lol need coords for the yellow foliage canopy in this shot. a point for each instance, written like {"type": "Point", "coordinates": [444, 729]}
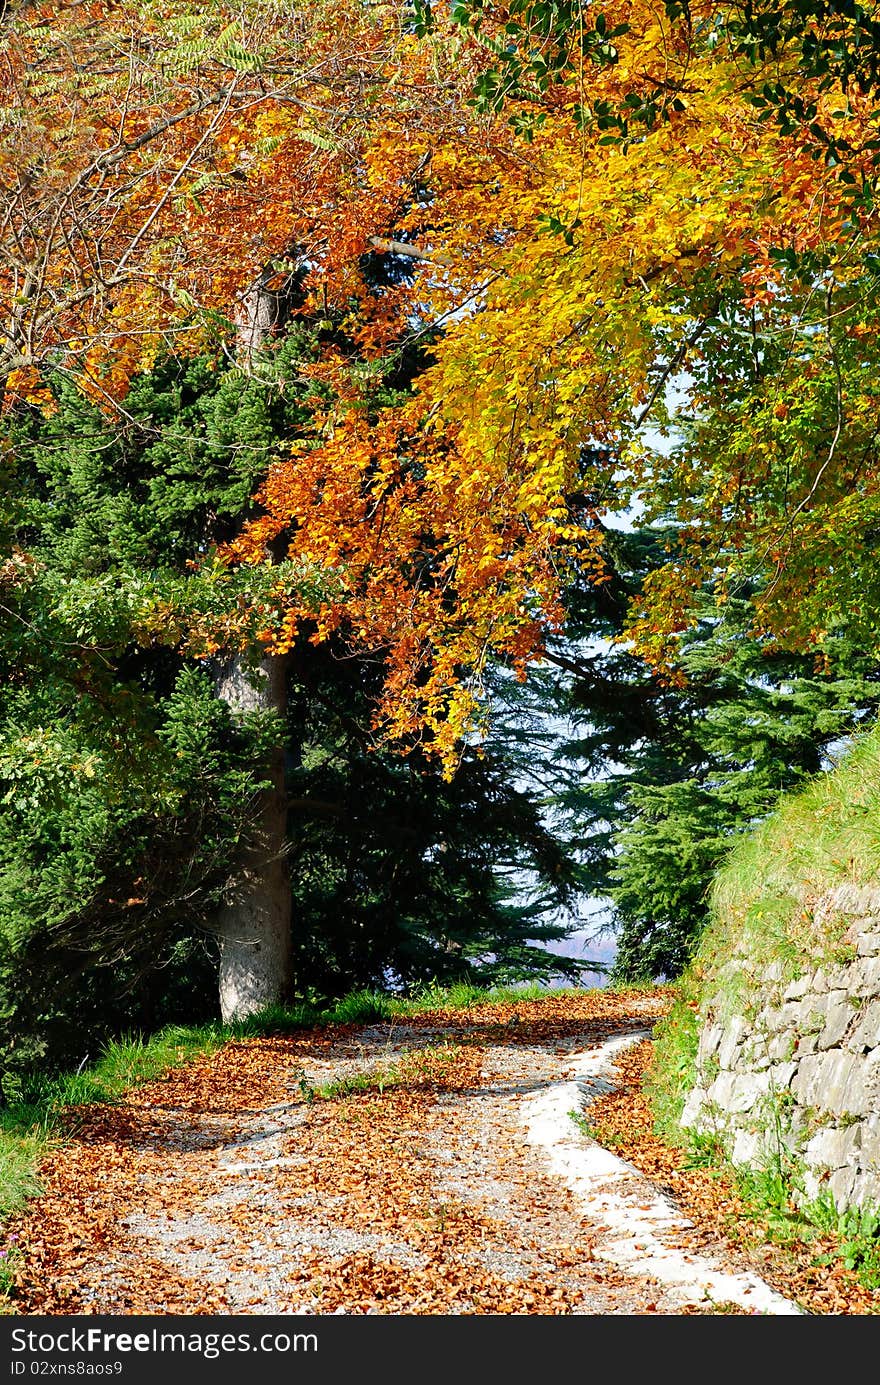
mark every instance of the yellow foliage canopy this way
{"type": "Point", "coordinates": [160, 161]}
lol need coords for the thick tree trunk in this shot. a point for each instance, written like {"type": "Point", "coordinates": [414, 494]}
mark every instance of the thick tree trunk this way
{"type": "Point", "coordinates": [253, 922]}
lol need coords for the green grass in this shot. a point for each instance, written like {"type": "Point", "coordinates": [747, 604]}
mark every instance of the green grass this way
{"type": "Point", "coordinates": [463, 995]}
{"type": "Point", "coordinates": [825, 835]}
{"type": "Point", "coordinates": [414, 1068]}
{"type": "Point", "coordinates": [19, 1152]}
{"type": "Point", "coordinates": [127, 1062]}
{"type": "Point", "coordinates": [31, 1120]}
{"type": "Point", "coordinates": [763, 912]}
{"type": "Point", "coordinates": [671, 1075]}
{"type": "Point", "coordinates": [608, 1138]}
{"type": "Point", "coordinates": [857, 1233]}
{"type": "Point", "coordinates": [774, 1198]}
{"type": "Point", "coordinates": [369, 1007]}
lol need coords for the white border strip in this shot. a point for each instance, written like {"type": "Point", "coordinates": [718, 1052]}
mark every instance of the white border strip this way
{"type": "Point", "coordinates": [624, 1202]}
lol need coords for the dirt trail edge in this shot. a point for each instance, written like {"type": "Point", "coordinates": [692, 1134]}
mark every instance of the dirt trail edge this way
{"type": "Point", "coordinates": [442, 1174]}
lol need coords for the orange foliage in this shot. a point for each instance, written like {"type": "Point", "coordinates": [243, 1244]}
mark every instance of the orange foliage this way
{"type": "Point", "coordinates": [163, 158]}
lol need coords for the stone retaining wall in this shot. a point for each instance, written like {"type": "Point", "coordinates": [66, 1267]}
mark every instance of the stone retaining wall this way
{"type": "Point", "coordinates": [798, 1069]}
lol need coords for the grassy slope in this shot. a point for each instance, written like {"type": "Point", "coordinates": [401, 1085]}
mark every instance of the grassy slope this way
{"type": "Point", "coordinates": [763, 898]}
{"type": "Point", "coordinates": [825, 835]}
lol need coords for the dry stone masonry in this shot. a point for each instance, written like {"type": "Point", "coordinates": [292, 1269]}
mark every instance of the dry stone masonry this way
{"type": "Point", "coordinates": [793, 1067]}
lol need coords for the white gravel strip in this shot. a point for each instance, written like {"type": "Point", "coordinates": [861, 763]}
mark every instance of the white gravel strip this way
{"type": "Point", "coordinates": [621, 1199]}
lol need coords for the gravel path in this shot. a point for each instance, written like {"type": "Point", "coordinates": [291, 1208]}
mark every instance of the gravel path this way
{"type": "Point", "coordinates": [236, 1186]}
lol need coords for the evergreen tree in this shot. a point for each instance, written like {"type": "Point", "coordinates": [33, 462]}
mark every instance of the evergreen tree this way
{"type": "Point", "coordinates": [126, 785]}
{"type": "Point", "coordinates": [657, 779]}
{"type": "Point", "coordinates": [399, 876]}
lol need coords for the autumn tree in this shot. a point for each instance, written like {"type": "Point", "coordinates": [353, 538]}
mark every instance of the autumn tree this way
{"type": "Point", "coordinates": [702, 215]}
{"type": "Point", "coordinates": [633, 221]}
{"type": "Point", "coordinates": [164, 175]}
{"type": "Point", "coordinates": [128, 785]}
{"type": "Point", "coordinates": [711, 249]}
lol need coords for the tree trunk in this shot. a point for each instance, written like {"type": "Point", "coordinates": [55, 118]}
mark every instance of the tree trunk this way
{"type": "Point", "coordinates": [253, 922]}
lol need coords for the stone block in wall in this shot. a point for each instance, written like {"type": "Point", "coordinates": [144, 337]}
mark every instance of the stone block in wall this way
{"type": "Point", "coordinates": [754, 1054]}
{"type": "Point", "coordinates": [781, 1076]}
{"type": "Point", "coordinates": [733, 1036]}
{"type": "Point", "coordinates": [867, 1185]}
{"type": "Point", "coordinates": [870, 1069]}
{"type": "Point", "coordinates": [799, 1122]}
{"type": "Point", "coordinates": [870, 1153]}
{"type": "Point", "coordinates": [738, 1091]}
{"type": "Point", "coordinates": [841, 1185]}
{"type": "Point", "coordinates": [861, 902]}
{"type": "Point", "coordinates": [839, 977]}
{"type": "Point", "coordinates": [797, 988]}
{"type": "Point", "coordinates": [750, 1148]}
{"type": "Point", "coordinates": [781, 1047]}
{"type": "Point", "coordinates": [868, 943]}
{"type": "Point", "coordinates": [834, 1147]}
{"type": "Point", "coordinates": [814, 1183]}
{"type": "Point", "coordinates": [831, 1081]}
{"type": "Point", "coordinates": [838, 1018]}
{"type": "Point", "coordinates": [866, 1189]}
{"type": "Point", "coordinates": [808, 1016]}
{"type": "Point", "coordinates": [866, 1034]}
{"type": "Point", "coordinates": [710, 1038]}
{"type": "Point", "coordinates": [693, 1108]}
{"type": "Point", "coordinates": [785, 1016]}
{"type": "Point", "coordinates": [865, 977]}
